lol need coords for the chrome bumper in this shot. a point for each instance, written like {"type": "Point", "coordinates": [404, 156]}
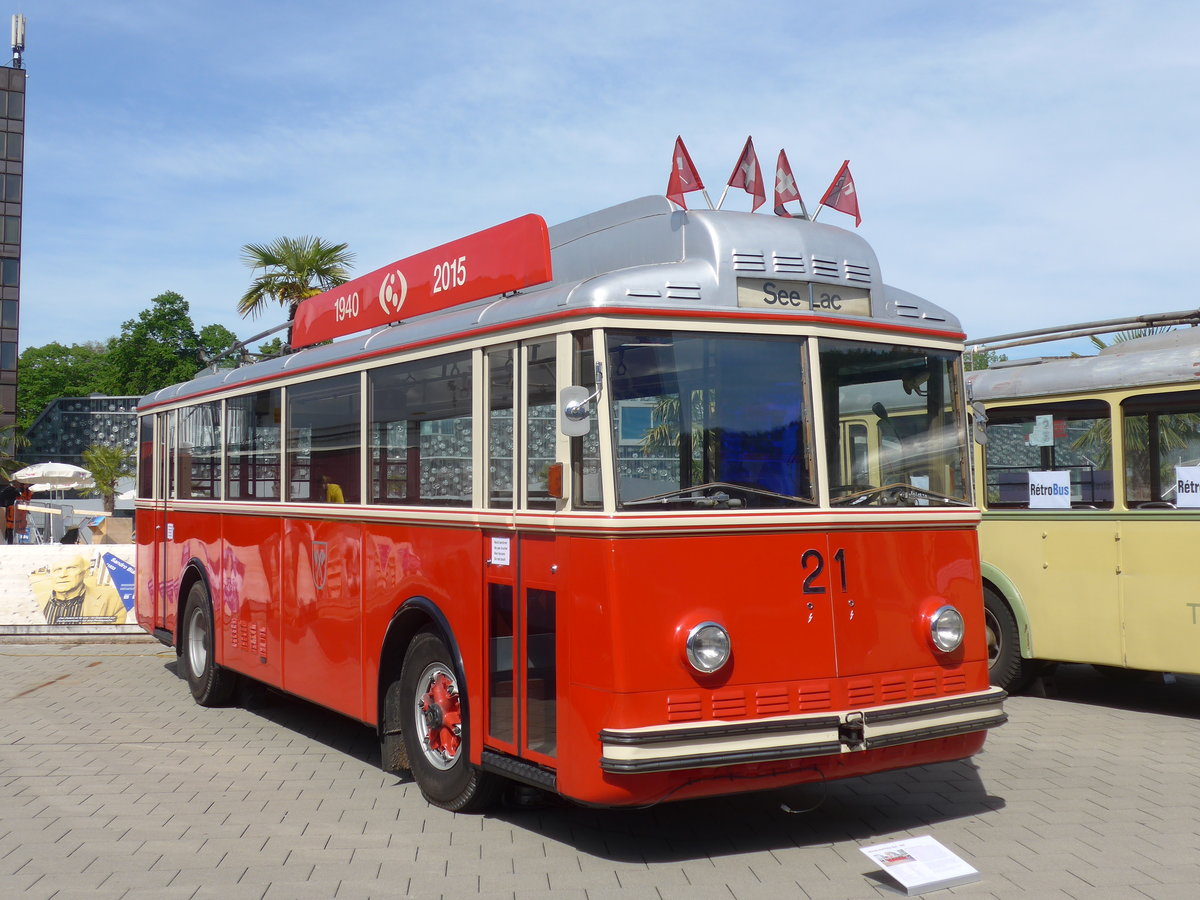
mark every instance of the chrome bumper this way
{"type": "Point", "coordinates": [666, 748]}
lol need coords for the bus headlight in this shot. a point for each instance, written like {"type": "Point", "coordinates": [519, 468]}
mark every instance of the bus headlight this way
{"type": "Point", "coordinates": [946, 629]}
{"type": "Point", "coordinates": [708, 647]}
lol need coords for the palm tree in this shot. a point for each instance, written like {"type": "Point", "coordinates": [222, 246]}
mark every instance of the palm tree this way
{"type": "Point", "coordinates": [108, 465]}
{"type": "Point", "coordinates": [292, 270]}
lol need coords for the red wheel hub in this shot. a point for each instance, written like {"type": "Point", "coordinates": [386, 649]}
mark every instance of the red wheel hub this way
{"type": "Point", "coordinates": [443, 717]}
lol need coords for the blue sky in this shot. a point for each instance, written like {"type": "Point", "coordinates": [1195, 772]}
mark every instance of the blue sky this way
{"type": "Point", "coordinates": [1021, 163]}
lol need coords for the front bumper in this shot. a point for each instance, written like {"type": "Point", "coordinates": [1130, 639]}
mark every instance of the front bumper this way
{"type": "Point", "coordinates": [668, 748]}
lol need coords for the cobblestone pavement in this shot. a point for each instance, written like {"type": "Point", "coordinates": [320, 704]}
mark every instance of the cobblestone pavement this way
{"type": "Point", "coordinates": [113, 784]}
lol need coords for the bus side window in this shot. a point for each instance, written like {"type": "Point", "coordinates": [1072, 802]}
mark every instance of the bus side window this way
{"type": "Point", "coordinates": [541, 429]}
{"type": "Point", "coordinates": [420, 432]}
{"type": "Point", "coordinates": [252, 431]}
{"type": "Point", "coordinates": [1074, 436]}
{"type": "Point", "coordinates": [323, 439]}
{"type": "Point", "coordinates": [1159, 435]}
{"type": "Point", "coordinates": [585, 450]}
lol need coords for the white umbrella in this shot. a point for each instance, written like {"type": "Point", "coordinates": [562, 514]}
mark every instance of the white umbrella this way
{"type": "Point", "coordinates": [54, 476]}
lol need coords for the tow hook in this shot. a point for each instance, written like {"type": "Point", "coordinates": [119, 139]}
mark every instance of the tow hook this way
{"type": "Point", "coordinates": [851, 731]}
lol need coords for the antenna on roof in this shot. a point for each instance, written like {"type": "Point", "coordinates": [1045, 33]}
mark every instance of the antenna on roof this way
{"type": "Point", "coordinates": [18, 39]}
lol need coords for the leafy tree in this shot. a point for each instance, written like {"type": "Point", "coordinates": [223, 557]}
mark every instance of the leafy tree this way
{"type": "Point", "coordinates": [158, 348]}
{"type": "Point", "coordinates": [273, 347]}
{"type": "Point", "coordinates": [983, 359]}
{"type": "Point", "coordinates": [108, 465]}
{"type": "Point", "coordinates": [291, 270]}
{"type": "Point", "coordinates": [55, 370]}
{"type": "Point", "coordinates": [215, 340]}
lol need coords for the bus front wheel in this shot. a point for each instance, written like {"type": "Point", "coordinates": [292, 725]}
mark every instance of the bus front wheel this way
{"type": "Point", "coordinates": [435, 729]}
{"type": "Point", "coordinates": [211, 684]}
{"type": "Point", "coordinates": [1006, 667]}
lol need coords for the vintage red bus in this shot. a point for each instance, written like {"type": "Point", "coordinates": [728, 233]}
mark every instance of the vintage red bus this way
{"type": "Point", "coordinates": [622, 514]}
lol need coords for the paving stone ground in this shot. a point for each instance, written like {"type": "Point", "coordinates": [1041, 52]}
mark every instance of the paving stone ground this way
{"type": "Point", "coordinates": [113, 784]}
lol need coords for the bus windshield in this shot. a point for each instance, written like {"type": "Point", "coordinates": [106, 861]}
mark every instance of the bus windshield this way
{"type": "Point", "coordinates": [893, 427]}
{"type": "Point", "coordinates": [709, 420]}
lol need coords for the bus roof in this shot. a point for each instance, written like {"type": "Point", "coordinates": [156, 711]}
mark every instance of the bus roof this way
{"type": "Point", "coordinates": [1169, 358]}
{"type": "Point", "coordinates": [643, 256]}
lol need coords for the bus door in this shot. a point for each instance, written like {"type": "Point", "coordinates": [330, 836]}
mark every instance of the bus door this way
{"type": "Point", "coordinates": [520, 590]}
{"type": "Point", "coordinates": [166, 435]}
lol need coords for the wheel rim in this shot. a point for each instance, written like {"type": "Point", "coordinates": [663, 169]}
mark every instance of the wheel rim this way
{"type": "Point", "coordinates": [438, 714]}
{"type": "Point", "coordinates": [991, 628]}
{"type": "Point", "coordinates": [197, 642]}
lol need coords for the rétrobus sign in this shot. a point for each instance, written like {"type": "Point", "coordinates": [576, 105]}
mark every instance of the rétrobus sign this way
{"type": "Point", "coordinates": [494, 261]}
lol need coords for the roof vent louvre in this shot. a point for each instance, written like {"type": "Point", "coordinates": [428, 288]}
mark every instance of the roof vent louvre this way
{"type": "Point", "coordinates": [789, 265]}
{"type": "Point", "coordinates": [856, 272]}
{"type": "Point", "coordinates": [749, 261]}
{"type": "Point", "coordinates": [683, 292]}
{"type": "Point", "coordinates": [826, 267]}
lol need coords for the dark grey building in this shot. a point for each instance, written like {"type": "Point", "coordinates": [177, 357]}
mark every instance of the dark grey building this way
{"type": "Point", "coordinates": [12, 162]}
{"type": "Point", "coordinates": [70, 425]}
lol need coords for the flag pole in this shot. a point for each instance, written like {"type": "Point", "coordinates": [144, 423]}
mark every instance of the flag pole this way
{"type": "Point", "coordinates": [704, 191]}
{"type": "Point", "coordinates": [817, 213]}
{"type": "Point", "coordinates": [720, 202]}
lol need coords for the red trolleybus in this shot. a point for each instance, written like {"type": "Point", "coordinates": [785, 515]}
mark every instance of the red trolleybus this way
{"type": "Point", "coordinates": [618, 509]}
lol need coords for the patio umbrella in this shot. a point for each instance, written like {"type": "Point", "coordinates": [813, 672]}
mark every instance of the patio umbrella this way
{"type": "Point", "coordinates": [54, 476]}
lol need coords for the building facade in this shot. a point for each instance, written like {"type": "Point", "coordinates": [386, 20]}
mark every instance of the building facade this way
{"type": "Point", "coordinates": [12, 161]}
{"type": "Point", "coordinates": [70, 425]}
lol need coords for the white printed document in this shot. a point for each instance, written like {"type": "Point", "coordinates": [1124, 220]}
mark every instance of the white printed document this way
{"type": "Point", "coordinates": [921, 864]}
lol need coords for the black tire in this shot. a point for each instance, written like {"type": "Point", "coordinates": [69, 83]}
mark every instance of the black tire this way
{"type": "Point", "coordinates": [1006, 667]}
{"type": "Point", "coordinates": [211, 684]}
{"type": "Point", "coordinates": [435, 731]}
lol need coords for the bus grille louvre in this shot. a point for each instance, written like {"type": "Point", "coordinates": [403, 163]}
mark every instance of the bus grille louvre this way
{"type": "Point", "coordinates": [684, 708]}
{"type": "Point", "coordinates": [815, 698]}
{"type": "Point", "coordinates": [769, 702]}
{"type": "Point", "coordinates": [729, 704]}
{"type": "Point", "coordinates": [954, 682]}
{"type": "Point", "coordinates": [894, 690]}
{"type": "Point", "coordinates": [749, 261]}
{"type": "Point", "coordinates": [861, 693]}
{"type": "Point", "coordinates": [924, 686]}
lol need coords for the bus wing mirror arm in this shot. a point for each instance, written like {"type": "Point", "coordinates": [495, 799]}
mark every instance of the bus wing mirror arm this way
{"type": "Point", "coordinates": [573, 412]}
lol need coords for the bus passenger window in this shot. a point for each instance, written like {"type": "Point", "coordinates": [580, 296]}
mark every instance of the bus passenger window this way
{"type": "Point", "coordinates": [585, 450]}
{"type": "Point", "coordinates": [1073, 436]}
{"type": "Point", "coordinates": [200, 451]}
{"type": "Point", "coordinates": [323, 438]}
{"type": "Point", "coordinates": [541, 411]}
{"type": "Point", "coordinates": [252, 433]}
{"type": "Point", "coordinates": [1160, 433]}
{"type": "Point", "coordinates": [421, 432]}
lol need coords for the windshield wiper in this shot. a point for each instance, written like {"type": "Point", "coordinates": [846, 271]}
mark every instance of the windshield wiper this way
{"type": "Point", "coordinates": [719, 500]}
{"type": "Point", "coordinates": [901, 492]}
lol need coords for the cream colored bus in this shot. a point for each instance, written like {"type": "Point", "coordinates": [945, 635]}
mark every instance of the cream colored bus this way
{"type": "Point", "coordinates": [1090, 482]}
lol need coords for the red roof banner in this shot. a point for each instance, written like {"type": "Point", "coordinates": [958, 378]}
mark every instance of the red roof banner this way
{"type": "Point", "coordinates": [497, 260]}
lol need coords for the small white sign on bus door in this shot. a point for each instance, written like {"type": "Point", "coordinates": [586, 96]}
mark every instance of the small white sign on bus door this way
{"type": "Point", "coordinates": [1187, 487]}
{"type": "Point", "coordinates": [500, 551]}
{"type": "Point", "coordinates": [1049, 490]}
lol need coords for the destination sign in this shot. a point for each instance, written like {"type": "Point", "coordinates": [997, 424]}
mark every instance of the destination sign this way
{"type": "Point", "coordinates": [804, 296]}
{"type": "Point", "coordinates": [497, 260]}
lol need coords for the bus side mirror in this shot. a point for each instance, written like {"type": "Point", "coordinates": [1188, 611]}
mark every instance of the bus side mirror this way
{"type": "Point", "coordinates": [979, 420]}
{"type": "Point", "coordinates": [574, 417]}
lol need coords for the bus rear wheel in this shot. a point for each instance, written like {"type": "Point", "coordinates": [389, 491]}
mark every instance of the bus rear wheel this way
{"type": "Point", "coordinates": [211, 685]}
{"type": "Point", "coordinates": [435, 729]}
{"type": "Point", "coordinates": [1006, 667]}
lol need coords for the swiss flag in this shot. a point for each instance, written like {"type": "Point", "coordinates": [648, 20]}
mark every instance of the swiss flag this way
{"type": "Point", "coordinates": [841, 195]}
{"type": "Point", "coordinates": [684, 177]}
{"type": "Point", "coordinates": [785, 188]}
{"type": "Point", "coordinates": [748, 176]}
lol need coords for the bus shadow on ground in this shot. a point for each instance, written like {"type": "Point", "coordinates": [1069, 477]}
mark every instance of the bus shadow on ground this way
{"type": "Point", "coordinates": [1127, 689]}
{"type": "Point", "coordinates": [858, 809]}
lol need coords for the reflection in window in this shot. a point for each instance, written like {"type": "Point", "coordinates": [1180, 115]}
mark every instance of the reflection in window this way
{"type": "Point", "coordinates": [1161, 431]}
{"type": "Point", "coordinates": [252, 430]}
{"type": "Point", "coordinates": [894, 427]}
{"type": "Point", "coordinates": [542, 412]}
{"type": "Point", "coordinates": [585, 450]}
{"type": "Point", "coordinates": [421, 432]}
{"type": "Point", "coordinates": [323, 440]}
{"type": "Point", "coordinates": [145, 470]}
{"type": "Point", "coordinates": [708, 421]}
{"type": "Point", "coordinates": [500, 429]}
{"type": "Point", "coordinates": [1072, 436]}
{"type": "Point", "coordinates": [200, 451]}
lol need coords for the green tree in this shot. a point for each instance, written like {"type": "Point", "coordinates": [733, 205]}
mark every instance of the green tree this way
{"type": "Point", "coordinates": [291, 270]}
{"type": "Point", "coordinates": [983, 359]}
{"type": "Point", "coordinates": [215, 340]}
{"type": "Point", "coordinates": [56, 370]}
{"type": "Point", "coordinates": [159, 348]}
{"type": "Point", "coordinates": [108, 465]}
